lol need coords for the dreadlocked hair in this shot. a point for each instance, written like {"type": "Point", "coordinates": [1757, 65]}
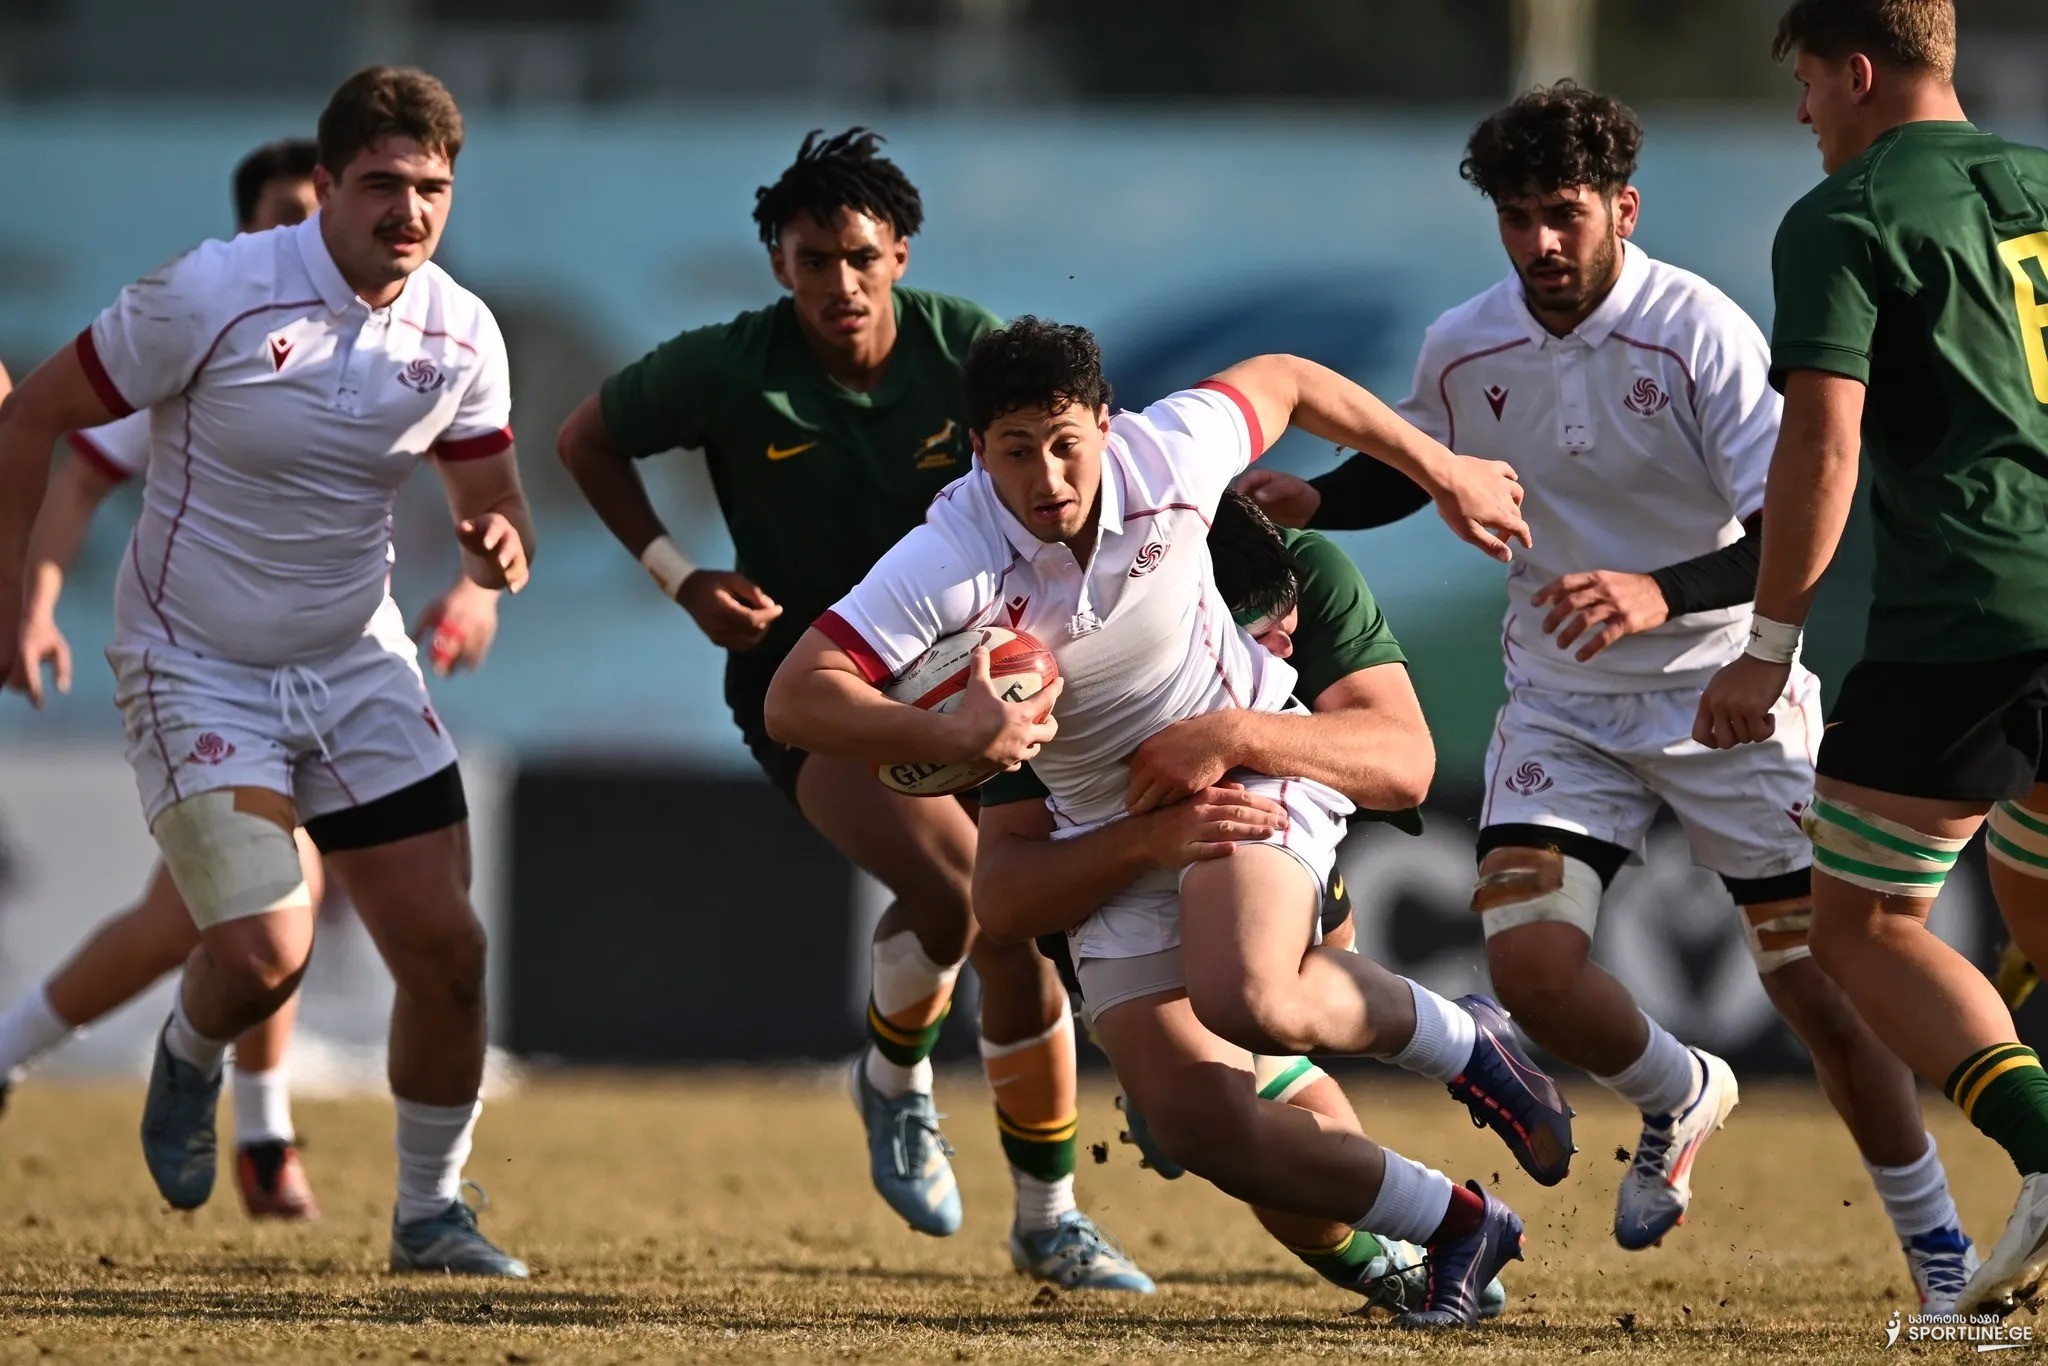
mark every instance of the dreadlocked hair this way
{"type": "Point", "coordinates": [842, 172]}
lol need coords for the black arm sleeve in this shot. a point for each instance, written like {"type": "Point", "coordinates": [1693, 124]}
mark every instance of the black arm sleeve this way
{"type": "Point", "coordinates": [1719, 578]}
{"type": "Point", "coordinates": [1362, 493]}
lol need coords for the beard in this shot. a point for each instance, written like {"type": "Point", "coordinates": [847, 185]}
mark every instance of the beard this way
{"type": "Point", "coordinates": [1588, 283]}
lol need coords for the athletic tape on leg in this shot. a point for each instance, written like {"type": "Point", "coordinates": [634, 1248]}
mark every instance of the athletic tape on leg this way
{"type": "Point", "coordinates": [232, 855]}
{"type": "Point", "coordinates": [1776, 932]}
{"type": "Point", "coordinates": [1536, 885]}
{"type": "Point", "coordinates": [2018, 838]}
{"type": "Point", "coordinates": [1867, 850]}
{"type": "Point", "coordinates": [1283, 1079]}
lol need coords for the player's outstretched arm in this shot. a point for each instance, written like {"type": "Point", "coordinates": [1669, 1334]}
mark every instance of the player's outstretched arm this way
{"type": "Point", "coordinates": [74, 494]}
{"type": "Point", "coordinates": [1366, 737]}
{"type": "Point", "coordinates": [1480, 500]}
{"type": "Point", "coordinates": [819, 700]}
{"type": "Point", "coordinates": [1026, 883]}
{"type": "Point", "coordinates": [1806, 505]}
{"type": "Point", "coordinates": [56, 398]}
{"type": "Point", "coordinates": [492, 520]}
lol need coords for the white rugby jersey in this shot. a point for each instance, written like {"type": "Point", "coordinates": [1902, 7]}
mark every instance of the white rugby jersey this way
{"type": "Point", "coordinates": [283, 415]}
{"type": "Point", "coordinates": [119, 450]}
{"type": "Point", "coordinates": [1642, 439]}
{"type": "Point", "coordinates": [1142, 637]}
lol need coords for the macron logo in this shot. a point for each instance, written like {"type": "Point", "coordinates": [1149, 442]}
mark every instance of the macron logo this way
{"type": "Point", "coordinates": [280, 351]}
{"type": "Point", "coordinates": [1496, 399]}
{"type": "Point", "coordinates": [1014, 609]}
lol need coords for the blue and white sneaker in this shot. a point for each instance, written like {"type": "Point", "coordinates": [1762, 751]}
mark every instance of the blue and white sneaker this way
{"type": "Point", "coordinates": [908, 1156]}
{"type": "Point", "coordinates": [1657, 1187]}
{"type": "Point", "coordinates": [1942, 1261]}
{"type": "Point", "coordinates": [177, 1129]}
{"type": "Point", "coordinates": [450, 1242]}
{"type": "Point", "coordinates": [1508, 1093]}
{"type": "Point", "coordinates": [1398, 1280]}
{"type": "Point", "coordinates": [1460, 1268]}
{"type": "Point", "coordinates": [1138, 1134]}
{"type": "Point", "coordinates": [1076, 1255]}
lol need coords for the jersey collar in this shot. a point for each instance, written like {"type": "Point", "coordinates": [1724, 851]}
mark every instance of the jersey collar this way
{"type": "Point", "coordinates": [1635, 273]}
{"type": "Point", "coordinates": [335, 292]}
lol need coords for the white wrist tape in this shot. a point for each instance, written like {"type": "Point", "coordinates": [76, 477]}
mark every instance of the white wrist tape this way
{"type": "Point", "coordinates": [1772, 641]}
{"type": "Point", "coordinates": [666, 563]}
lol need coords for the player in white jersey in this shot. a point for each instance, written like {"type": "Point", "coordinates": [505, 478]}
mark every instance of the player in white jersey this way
{"type": "Point", "coordinates": [294, 379]}
{"type": "Point", "coordinates": [1635, 399]}
{"type": "Point", "coordinates": [272, 187]}
{"type": "Point", "coordinates": [1089, 532]}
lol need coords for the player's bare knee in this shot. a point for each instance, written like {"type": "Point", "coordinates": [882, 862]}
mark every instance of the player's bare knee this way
{"type": "Point", "coordinates": [443, 962]}
{"type": "Point", "coordinates": [1203, 1130]}
{"type": "Point", "coordinates": [262, 956]}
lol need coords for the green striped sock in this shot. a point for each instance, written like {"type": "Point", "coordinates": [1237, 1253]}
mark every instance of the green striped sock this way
{"type": "Point", "coordinates": [1345, 1264]}
{"type": "Point", "coordinates": [2004, 1092]}
{"type": "Point", "coordinates": [904, 1047]}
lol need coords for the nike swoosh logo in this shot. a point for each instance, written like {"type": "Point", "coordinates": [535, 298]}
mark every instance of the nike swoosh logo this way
{"type": "Point", "coordinates": [776, 452]}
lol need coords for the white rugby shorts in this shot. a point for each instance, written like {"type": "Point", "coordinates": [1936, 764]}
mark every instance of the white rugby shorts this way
{"type": "Point", "coordinates": [347, 730]}
{"type": "Point", "coordinates": [1143, 920]}
{"type": "Point", "coordinates": [1600, 764]}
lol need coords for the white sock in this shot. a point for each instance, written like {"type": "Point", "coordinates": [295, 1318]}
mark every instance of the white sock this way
{"type": "Point", "coordinates": [1444, 1035]}
{"type": "Point", "coordinates": [188, 1045]}
{"type": "Point", "coordinates": [1041, 1203]}
{"type": "Point", "coordinates": [263, 1106]}
{"type": "Point", "coordinates": [433, 1143]}
{"type": "Point", "coordinates": [28, 1029]}
{"type": "Point", "coordinates": [902, 979]}
{"type": "Point", "coordinates": [1412, 1201]}
{"type": "Point", "coordinates": [1916, 1195]}
{"type": "Point", "coordinates": [1663, 1080]}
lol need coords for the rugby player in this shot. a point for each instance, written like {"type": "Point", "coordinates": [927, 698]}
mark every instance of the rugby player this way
{"type": "Point", "coordinates": [829, 421]}
{"type": "Point", "coordinates": [1634, 397]}
{"type": "Point", "coordinates": [1087, 531]}
{"type": "Point", "coordinates": [294, 379]}
{"type": "Point", "coordinates": [1912, 323]}
{"type": "Point", "coordinates": [272, 187]}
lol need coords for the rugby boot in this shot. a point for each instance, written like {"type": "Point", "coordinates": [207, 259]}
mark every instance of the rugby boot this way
{"type": "Point", "coordinates": [1942, 1261]}
{"type": "Point", "coordinates": [908, 1157]}
{"type": "Point", "coordinates": [273, 1182]}
{"type": "Point", "coordinates": [177, 1129]}
{"type": "Point", "coordinates": [450, 1242]}
{"type": "Point", "coordinates": [1508, 1093]}
{"type": "Point", "coordinates": [1076, 1255]}
{"type": "Point", "coordinates": [2017, 1265]}
{"type": "Point", "coordinates": [1658, 1184]}
{"type": "Point", "coordinates": [1461, 1268]}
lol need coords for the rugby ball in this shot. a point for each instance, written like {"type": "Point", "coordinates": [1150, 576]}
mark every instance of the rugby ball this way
{"type": "Point", "coordinates": [1018, 664]}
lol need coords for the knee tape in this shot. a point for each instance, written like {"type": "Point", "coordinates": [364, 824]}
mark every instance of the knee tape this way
{"type": "Point", "coordinates": [2018, 838]}
{"type": "Point", "coordinates": [1867, 850]}
{"type": "Point", "coordinates": [232, 854]}
{"type": "Point", "coordinates": [1776, 931]}
{"type": "Point", "coordinates": [1521, 886]}
{"type": "Point", "coordinates": [1283, 1079]}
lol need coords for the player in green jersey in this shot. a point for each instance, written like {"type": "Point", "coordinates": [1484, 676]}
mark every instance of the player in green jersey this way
{"type": "Point", "coordinates": [829, 421]}
{"type": "Point", "coordinates": [1912, 321]}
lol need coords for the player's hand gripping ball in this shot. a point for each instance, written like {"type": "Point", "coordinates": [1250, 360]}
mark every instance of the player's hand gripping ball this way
{"type": "Point", "coordinates": [1019, 666]}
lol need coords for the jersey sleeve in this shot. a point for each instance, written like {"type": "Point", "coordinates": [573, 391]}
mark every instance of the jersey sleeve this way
{"type": "Point", "coordinates": [482, 425]}
{"type": "Point", "coordinates": [1738, 409]}
{"type": "Point", "coordinates": [149, 343]}
{"type": "Point", "coordinates": [926, 586]}
{"type": "Point", "coordinates": [1424, 408]}
{"type": "Point", "coordinates": [662, 401]}
{"type": "Point", "coordinates": [118, 451]}
{"type": "Point", "coordinates": [1208, 435]}
{"type": "Point", "coordinates": [1341, 629]}
{"type": "Point", "coordinates": [1825, 277]}
{"type": "Point", "coordinates": [1007, 789]}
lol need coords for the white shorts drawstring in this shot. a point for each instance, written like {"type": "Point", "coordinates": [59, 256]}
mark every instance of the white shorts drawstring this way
{"type": "Point", "coordinates": [285, 690]}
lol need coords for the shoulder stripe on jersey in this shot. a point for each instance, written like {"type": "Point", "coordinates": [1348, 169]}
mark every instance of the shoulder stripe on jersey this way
{"type": "Point", "coordinates": [1691, 387]}
{"type": "Point", "coordinates": [474, 447]}
{"type": "Point", "coordinates": [1244, 406]}
{"type": "Point", "coordinates": [97, 376]}
{"type": "Point", "coordinates": [1443, 384]}
{"type": "Point", "coordinates": [102, 464]}
{"type": "Point", "coordinates": [864, 656]}
{"type": "Point", "coordinates": [436, 332]}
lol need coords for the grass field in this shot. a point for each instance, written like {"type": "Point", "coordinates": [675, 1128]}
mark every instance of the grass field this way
{"type": "Point", "coordinates": [728, 1217]}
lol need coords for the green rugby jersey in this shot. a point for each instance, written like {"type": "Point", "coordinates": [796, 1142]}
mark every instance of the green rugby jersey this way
{"type": "Point", "coordinates": [1921, 269]}
{"type": "Point", "coordinates": [815, 480]}
{"type": "Point", "coordinates": [1340, 631]}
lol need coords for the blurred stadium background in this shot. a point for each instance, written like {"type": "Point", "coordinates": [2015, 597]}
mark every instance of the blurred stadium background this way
{"type": "Point", "coordinates": [1197, 180]}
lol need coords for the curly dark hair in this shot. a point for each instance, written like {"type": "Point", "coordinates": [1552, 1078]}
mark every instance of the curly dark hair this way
{"type": "Point", "coordinates": [1032, 363]}
{"type": "Point", "coordinates": [842, 172]}
{"type": "Point", "coordinates": [1258, 576]}
{"type": "Point", "coordinates": [1552, 139]}
{"type": "Point", "coordinates": [1906, 35]}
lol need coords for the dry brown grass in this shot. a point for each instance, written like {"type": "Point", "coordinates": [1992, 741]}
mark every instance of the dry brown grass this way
{"type": "Point", "coordinates": [728, 1217]}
